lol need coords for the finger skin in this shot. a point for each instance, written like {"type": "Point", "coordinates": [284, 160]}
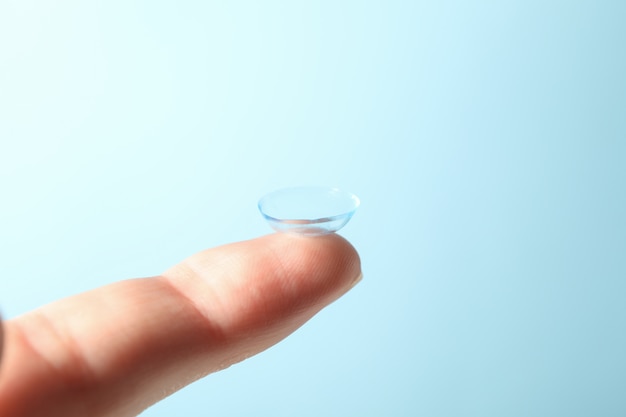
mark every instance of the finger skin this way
{"type": "Point", "coordinates": [118, 349]}
{"type": "Point", "coordinates": [1, 339]}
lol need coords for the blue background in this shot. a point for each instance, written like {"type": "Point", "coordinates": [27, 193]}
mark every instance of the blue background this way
{"type": "Point", "coordinates": [486, 140]}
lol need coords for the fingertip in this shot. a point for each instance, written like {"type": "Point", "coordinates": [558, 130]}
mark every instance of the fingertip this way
{"type": "Point", "coordinates": [281, 278]}
{"type": "Point", "coordinates": [1, 340]}
{"type": "Point", "coordinates": [329, 260]}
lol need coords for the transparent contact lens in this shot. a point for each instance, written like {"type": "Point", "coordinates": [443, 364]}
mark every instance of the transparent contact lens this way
{"type": "Point", "coordinates": [308, 210]}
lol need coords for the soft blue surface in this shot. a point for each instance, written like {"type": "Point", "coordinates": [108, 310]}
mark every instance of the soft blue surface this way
{"type": "Point", "coordinates": [486, 140]}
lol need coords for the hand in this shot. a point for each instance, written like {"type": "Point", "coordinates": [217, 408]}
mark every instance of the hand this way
{"type": "Point", "coordinates": [116, 350]}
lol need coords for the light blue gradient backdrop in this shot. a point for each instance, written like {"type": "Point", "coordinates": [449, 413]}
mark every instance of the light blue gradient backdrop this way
{"type": "Point", "coordinates": [486, 139]}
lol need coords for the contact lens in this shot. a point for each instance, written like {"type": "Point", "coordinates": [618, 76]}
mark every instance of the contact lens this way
{"type": "Point", "coordinates": [308, 210]}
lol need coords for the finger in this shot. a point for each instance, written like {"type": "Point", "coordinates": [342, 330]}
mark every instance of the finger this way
{"type": "Point", "coordinates": [1, 340]}
{"type": "Point", "coordinates": [118, 349]}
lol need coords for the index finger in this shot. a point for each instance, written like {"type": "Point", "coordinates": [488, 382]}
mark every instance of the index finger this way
{"type": "Point", "coordinates": [118, 349]}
